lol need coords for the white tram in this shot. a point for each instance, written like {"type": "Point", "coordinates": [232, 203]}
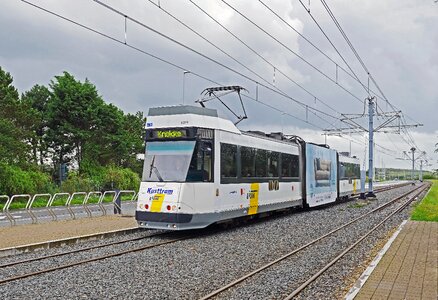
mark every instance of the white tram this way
{"type": "Point", "coordinates": [200, 169]}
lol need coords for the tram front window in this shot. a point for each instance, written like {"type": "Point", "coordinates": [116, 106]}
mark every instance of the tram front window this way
{"type": "Point", "coordinates": [178, 161]}
{"type": "Point", "coordinates": [201, 164]}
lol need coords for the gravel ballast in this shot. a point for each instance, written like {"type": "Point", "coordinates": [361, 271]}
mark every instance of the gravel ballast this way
{"type": "Point", "coordinates": [192, 268]}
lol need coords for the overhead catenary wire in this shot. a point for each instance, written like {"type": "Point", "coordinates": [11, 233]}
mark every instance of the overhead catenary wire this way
{"type": "Point", "coordinates": [316, 98]}
{"type": "Point", "coordinates": [368, 89]}
{"type": "Point", "coordinates": [224, 52]}
{"type": "Point", "coordinates": [292, 51]}
{"type": "Point", "coordinates": [344, 35]}
{"type": "Point", "coordinates": [333, 17]}
{"type": "Point", "coordinates": [353, 76]}
{"type": "Point", "coordinates": [336, 49]}
{"type": "Point", "coordinates": [272, 89]}
{"type": "Point", "coordinates": [254, 51]}
{"type": "Point", "coordinates": [122, 42]}
{"type": "Point", "coordinates": [209, 42]}
{"type": "Point", "coordinates": [237, 61]}
{"type": "Point", "coordinates": [352, 48]}
{"type": "Point", "coordinates": [256, 25]}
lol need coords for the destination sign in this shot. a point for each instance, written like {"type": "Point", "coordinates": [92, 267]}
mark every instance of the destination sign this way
{"type": "Point", "coordinates": [170, 134]}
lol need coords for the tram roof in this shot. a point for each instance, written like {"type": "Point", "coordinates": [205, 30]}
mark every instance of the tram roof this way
{"type": "Point", "coordinates": [182, 109]}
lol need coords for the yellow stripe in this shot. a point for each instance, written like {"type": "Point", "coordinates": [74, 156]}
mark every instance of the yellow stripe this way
{"type": "Point", "coordinates": [354, 186]}
{"type": "Point", "coordinates": [253, 199]}
{"type": "Point", "coordinates": [157, 202]}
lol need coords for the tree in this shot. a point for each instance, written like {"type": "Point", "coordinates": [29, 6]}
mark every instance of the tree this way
{"type": "Point", "coordinates": [134, 138]}
{"type": "Point", "coordinates": [13, 123]}
{"type": "Point", "coordinates": [82, 127]}
{"type": "Point", "coordinates": [67, 122]}
{"type": "Point", "coordinates": [37, 99]}
{"type": "Point", "coordinates": [72, 113]}
{"type": "Point", "coordinates": [117, 138]}
{"type": "Point", "coordinates": [106, 136]}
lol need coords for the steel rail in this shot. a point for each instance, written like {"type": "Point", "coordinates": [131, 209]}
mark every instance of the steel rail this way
{"type": "Point", "coordinates": [385, 188]}
{"type": "Point", "coordinates": [18, 277]}
{"type": "Point", "coordinates": [148, 247]}
{"type": "Point", "coordinates": [327, 266]}
{"type": "Point", "coordinates": [117, 243]}
{"type": "Point", "coordinates": [78, 250]}
{"type": "Point", "coordinates": [285, 256]}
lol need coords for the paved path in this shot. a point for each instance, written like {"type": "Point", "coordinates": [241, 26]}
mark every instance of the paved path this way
{"type": "Point", "coordinates": [409, 269]}
{"type": "Point", "coordinates": [38, 233]}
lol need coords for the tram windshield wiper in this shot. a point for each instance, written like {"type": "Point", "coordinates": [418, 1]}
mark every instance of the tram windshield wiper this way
{"type": "Point", "coordinates": [157, 173]}
{"type": "Point", "coordinates": [151, 166]}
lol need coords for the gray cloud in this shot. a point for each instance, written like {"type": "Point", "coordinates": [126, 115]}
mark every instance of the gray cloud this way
{"type": "Point", "coordinates": [396, 38]}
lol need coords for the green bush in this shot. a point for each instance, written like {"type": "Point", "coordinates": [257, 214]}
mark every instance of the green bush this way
{"type": "Point", "coordinates": [76, 183]}
{"type": "Point", "coordinates": [122, 179]}
{"type": "Point", "coordinates": [98, 178]}
{"type": "Point", "coordinates": [14, 180]}
{"type": "Point", "coordinates": [43, 183]}
{"type": "Point", "coordinates": [95, 173]}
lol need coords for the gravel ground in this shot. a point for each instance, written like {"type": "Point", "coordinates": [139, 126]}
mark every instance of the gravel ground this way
{"type": "Point", "coordinates": [192, 268]}
{"type": "Point", "coordinates": [349, 268]}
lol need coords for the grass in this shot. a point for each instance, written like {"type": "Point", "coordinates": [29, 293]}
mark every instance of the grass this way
{"type": "Point", "coordinates": [20, 203]}
{"type": "Point", "coordinates": [427, 209]}
{"type": "Point", "coordinates": [358, 204]}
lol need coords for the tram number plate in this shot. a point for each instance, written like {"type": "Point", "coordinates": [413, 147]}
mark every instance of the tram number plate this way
{"type": "Point", "coordinates": [273, 185]}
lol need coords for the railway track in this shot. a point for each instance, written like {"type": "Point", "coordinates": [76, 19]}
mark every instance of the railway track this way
{"type": "Point", "coordinates": [303, 286]}
{"type": "Point", "coordinates": [10, 264]}
{"type": "Point", "coordinates": [417, 191]}
{"type": "Point", "coordinates": [76, 263]}
{"type": "Point", "coordinates": [385, 188]}
{"type": "Point", "coordinates": [132, 250]}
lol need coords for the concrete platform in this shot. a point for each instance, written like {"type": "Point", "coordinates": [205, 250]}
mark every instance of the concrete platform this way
{"type": "Point", "coordinates": [30, 237]}
{"type": "Point", "coordinates": [409, 269]}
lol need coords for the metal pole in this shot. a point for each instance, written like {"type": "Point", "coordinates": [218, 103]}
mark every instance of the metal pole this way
{"type": "Point", "coordinates": [421, 170]}
{"type": "Point", "coordinates": [413, 163]}
{"type": "Point", "coordinates": [374, 168]}
{"type": "Point", "coordinates": [363, 175]}
{"type": "Point", "coordinates": [370, 146]}
{"type": "Point", "coordinates": [184, 83]}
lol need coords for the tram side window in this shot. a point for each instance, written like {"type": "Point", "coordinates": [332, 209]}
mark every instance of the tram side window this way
{"type": "Point", "coordinates": [356, 169]}
{"type": "Point", "coordinates": [273, 158]}
{"type": "Point", "coordinates": [289, 165]}
{"type": "Point", "coordinates": [228, 161]}
{"type": "Point", "coordinates": [342, 170]}
{"type": "Point", "coordinates": [352, 171]}
{"type": "Point", "coordinates": [247, 156]}
{"type": "Point", "coordinates": [201, 165]}
{"type": "Point", "coordinates": [261, 164]}
{"type": "Point", "coordinates": [349, 170]}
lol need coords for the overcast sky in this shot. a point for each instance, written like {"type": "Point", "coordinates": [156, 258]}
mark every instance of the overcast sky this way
{"type": "Point", "coordinates": [396, 39]}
